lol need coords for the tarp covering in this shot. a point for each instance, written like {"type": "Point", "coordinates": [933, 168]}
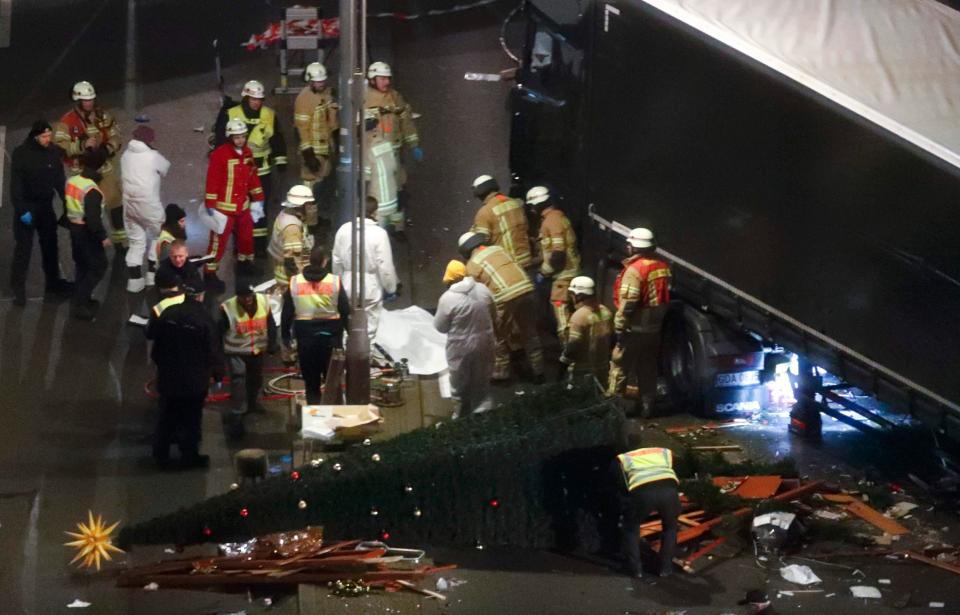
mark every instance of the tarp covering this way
{"type": "Point", "coordinates": [409, 334]}
{"type": "Point", "coordinates": [894, 62]}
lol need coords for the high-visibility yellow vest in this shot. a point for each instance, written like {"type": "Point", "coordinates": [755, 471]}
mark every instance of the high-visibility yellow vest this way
{"type": "Point", "coordinates": [165, 303]}
{"type": "Point", "coordinates": [647, 465]}
{"type": "Point", "coordinates": [247, 334]}
{"type": "Point", "coordinates": [76, 191]}
{"type": "Point", "coordinates": [315, 300]}
{"type": "Point", "coordinates": [259, 135]}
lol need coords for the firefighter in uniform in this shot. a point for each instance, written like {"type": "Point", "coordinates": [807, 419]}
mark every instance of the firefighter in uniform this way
{"type": "Point", "coordinates": [83, 205]}
{"type": "Point", "coordinates": [233, 189]}
{"type": "Point", "coordinates": [559, 257]}
{"type": "Point", "coordinates": [288, 243]}
{"type": "Point", "coordinates": [380, 174]}
{"type": "Point", "coordinates": [88, 127]}
{"type": "Point", "coordinates": [512, 291]}
{"type": "Point", "coordinates": [315, 116]}
{"type": "Point", "coordinates": [502, 219]}
{"type": "Point", "coordinates": [316, 311]}
{"type": "Point", "coordinates": [590, 334]}
{"type": "Point", "coordinates": [647, 483]}
{"type": "Point", "coordinates": [174, 227]}
{"type": "Point", "coordinates": [267, 145]}
{"type": "Point", "coordinates": [248, 332]}
{"type": "Point", "coordinates": [395, 125]}
{"type": "Point", "coordinates": [641, 296]}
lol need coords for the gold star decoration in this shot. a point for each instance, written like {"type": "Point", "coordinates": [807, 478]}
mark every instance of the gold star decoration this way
{"type": "Point", "coordinates": [93, 542]}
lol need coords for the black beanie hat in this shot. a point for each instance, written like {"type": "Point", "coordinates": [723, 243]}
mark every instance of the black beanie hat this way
{"type": "Point", "coordinates": [174, 213]}
{"type": "Point", "coordinates": [39, 127]}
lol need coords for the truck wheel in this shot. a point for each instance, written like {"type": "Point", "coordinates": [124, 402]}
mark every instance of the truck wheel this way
{"type": "Point", "coordinates": [685, 365]}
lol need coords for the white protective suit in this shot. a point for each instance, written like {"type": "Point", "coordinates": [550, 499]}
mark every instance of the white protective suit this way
{"type": "Point", "coordinates": [380, 277]}
{"type": "Point", "coordinates": [143, 214]}
{"type": "Point", "coordinates": [467, 314]}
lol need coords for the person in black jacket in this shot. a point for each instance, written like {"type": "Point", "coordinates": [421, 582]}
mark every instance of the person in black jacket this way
{"type": "Point", "coordinates": [317, 310]}
{"type": "Point", "coordinates": [187, 352]}
{"type": "Point", "coordinates": [83, 205]}
{"type": "Point", "coordinates": [36, 175]}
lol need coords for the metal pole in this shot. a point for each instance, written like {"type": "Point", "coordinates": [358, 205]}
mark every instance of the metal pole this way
{"type": "Point", "coordinates": [350, 178]}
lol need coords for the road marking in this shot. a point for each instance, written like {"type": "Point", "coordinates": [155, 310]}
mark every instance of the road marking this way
{"type": "Point", "coordinates": [6, 15]}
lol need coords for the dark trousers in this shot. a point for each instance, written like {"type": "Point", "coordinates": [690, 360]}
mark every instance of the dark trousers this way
{"type": "Point", "coordinates": [246, 379]}
{"type": "Point", "coordinates": [45, 225]}
{"type": "Point", "coordinates": [90, 260]}
{"type": "Point", "coordinates": [661, 497]}
{"type": "Point", "coordinates": [314, 351]}
{"type": "Point", "coordinates": [179, 421]}
{"type": "Point", "coordinates": [261, 230]}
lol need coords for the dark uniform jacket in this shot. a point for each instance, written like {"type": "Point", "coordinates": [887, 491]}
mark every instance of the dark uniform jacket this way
{"type": "Point", "coordinates": [36, 174]}
{"type": "Point", "coordinates": [186, 349]}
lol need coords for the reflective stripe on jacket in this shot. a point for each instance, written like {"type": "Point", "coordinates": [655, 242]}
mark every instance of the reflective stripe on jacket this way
{"type": "Point", "coordinates": [261, 130]}
{"type": "Point", "coordinates": [165, 303]}
{"type": "Point", "coordinates": [504, 221]}
{"type": "Point", "coordinates": [76, 191]}
{"type": "Point", "coordinates": [645, 280]}
{"type": "Point", "coordinates": [247, 334]}
{"type": "Point", "coordinates": [315, 300]}
{"type": "Point", "coordinates": [646, 465]}
{"type": "Point", "coordinates": [493, 267]}
{"type": "Point", "coordinates": [283, 244]}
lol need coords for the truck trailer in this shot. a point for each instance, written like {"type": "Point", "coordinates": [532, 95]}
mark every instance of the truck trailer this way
{"type": "Point", "coordinates": [799, 163]}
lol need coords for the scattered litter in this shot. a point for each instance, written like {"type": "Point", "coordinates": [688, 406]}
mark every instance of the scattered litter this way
{"type": "Point", "coordinates": [883, 581]}
{"type": "Point", "coordinates": [143, 118]}
{"type": "Point", "coordinates": [937, 605]}
{"type": "Point", "coordinates": [151, 587]}
{"type": "Point", "coordinates": [442, 585]}
{"type": "Point", "coordinates": [169, 550]}
{"type": "Point", "coordinates": [865, 591]}
{"type": "Point", "coordinates": [757, 598]}
{"type": "Point", "coordinates": [901, 509]}
{"type": "Point", "coordinates": [876, 519]}
{"type": "Point", "coordinates": [799, 574]}
{"type": "Point", "coordinates": [198, 128]}
{"type": "Point", "coordinates": [137, 320]}
{"type": "Point", "coordinates": [481, 76]}
{"type": "Point", "coordinates": [78, 604]}
{"type": "Point", "coordinates": [268, 602]}
{"type": "Point", "coordinates": [829, 515]}
{"type": "Point", "coordinates": [794, 592]}
{"type": "Point", "coordinates": [831, 595]}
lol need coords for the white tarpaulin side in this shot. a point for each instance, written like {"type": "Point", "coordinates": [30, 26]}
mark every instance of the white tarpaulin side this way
{"type": "Point", "coordinates": [894, 62]}
{"type": "Point", "coordinates": [409, 334]}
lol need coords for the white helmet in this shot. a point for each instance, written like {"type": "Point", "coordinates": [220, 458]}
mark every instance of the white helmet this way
{"type": "Point", "coordinates": [640, 238]}
{"type": "Point", "coordinates": [298, 195]}
{"type": "Point", "coordinates": [582, 285]}
{"type": "Point", "coordinates": [83, 90]}
{"type": "Point", "coordinates": [379, 69]}
{"type": "Point", "coordinates": [315, 71]}
{"type": "Point", "coordinates": [465, 238]}
{"type": "Point", "coordinates": [482, 179]}
{"type": "Point", "coordinates": [537, 195]}
{"type": "Point", "coordinates": [253, 89]}
{"type": "Point", "coordinates": [236, 126]}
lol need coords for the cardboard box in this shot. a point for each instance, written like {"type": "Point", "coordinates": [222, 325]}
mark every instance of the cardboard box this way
{"type": "Point", "coordinates": [344, 422]}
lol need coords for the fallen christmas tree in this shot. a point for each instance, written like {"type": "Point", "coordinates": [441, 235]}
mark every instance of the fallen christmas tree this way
{"type": "Point", "coordinates": [531, 473]}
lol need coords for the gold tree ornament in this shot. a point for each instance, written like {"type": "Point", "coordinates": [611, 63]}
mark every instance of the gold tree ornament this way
{"type": "Point", "coordinates": [93, 542]}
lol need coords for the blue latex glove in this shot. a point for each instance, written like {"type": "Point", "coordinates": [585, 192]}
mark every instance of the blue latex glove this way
{"type": "Point", "coordinates": [539, 279]}
{"type": "Point", "coordinates": [27, 218]}
{"type": "Point", "coordinates": [390, 297]}
{"type": "Point", "coordinates": [209, 210]}
{"type": "Point", "coordinates": [418, 154]}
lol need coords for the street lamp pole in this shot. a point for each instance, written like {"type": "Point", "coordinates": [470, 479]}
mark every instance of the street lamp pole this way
{"type": "Point", "coordinates": [351, 187]}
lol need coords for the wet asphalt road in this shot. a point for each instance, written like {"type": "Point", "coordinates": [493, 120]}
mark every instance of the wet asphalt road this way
{"type": "Point", "coordinates": [75, 420]}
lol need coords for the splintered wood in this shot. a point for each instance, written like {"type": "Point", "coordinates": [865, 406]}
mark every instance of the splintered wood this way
{"type": "Point", "coordinates": [341, 561]}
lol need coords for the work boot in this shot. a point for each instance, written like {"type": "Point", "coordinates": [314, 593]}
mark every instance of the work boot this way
{"type": "Point", "coordinates": [83, 312]}
{"type": "Point", "coordinates": [20, 296]}
{"type": "Point", "coordinates": [149, 279]}
{"type": "Point", "coordinates": [135, 281]}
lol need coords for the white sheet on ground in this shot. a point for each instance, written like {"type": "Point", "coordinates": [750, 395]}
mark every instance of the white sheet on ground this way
{"type": "Point", "coordinates": [894, 62]}
{"type": "Point", "coordinates": [409, 334]}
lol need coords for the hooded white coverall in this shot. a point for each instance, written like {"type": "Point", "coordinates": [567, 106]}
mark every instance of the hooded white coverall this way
{"type": "Point", "coordinates": [467, 314]}
{"type": "Point", "coordinates": [380, 277]}
{"type": "Point", "coordinates": [143, 214]}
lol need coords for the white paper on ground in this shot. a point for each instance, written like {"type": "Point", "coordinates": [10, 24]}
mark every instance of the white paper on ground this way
{"type": "Point", "coordinates": [136, 319]}
{"type": "Point", "coordinates": [779, 519]}
{"type": "Point", "coordinates": [321, 422]}
{"type": "Point", "coordinates": [78, 604]}
{"type": "Point", "coordinates": [865, 591]}
{"type": "Point", "coordinates": [801, 575]}
{"type": "Point", "coordinates": [409, 334]}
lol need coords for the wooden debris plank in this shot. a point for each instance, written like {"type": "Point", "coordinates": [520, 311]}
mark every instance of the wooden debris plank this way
{"type": "Point", "coordinates": [838, 498]}
{"type": "Point", "coordinates": [421, 591]}
{"type": "Point", "coordinates": [758, 487]}
{"type": "Point", "coordinates": [704, 550]}
{"type": "Point", "coordinates": [931, 561]}
{"type": "Point", "coordinates": [876, 518]}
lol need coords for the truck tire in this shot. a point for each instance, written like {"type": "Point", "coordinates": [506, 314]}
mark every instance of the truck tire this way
{"type": "Point", "coordinates": [684, 361]}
